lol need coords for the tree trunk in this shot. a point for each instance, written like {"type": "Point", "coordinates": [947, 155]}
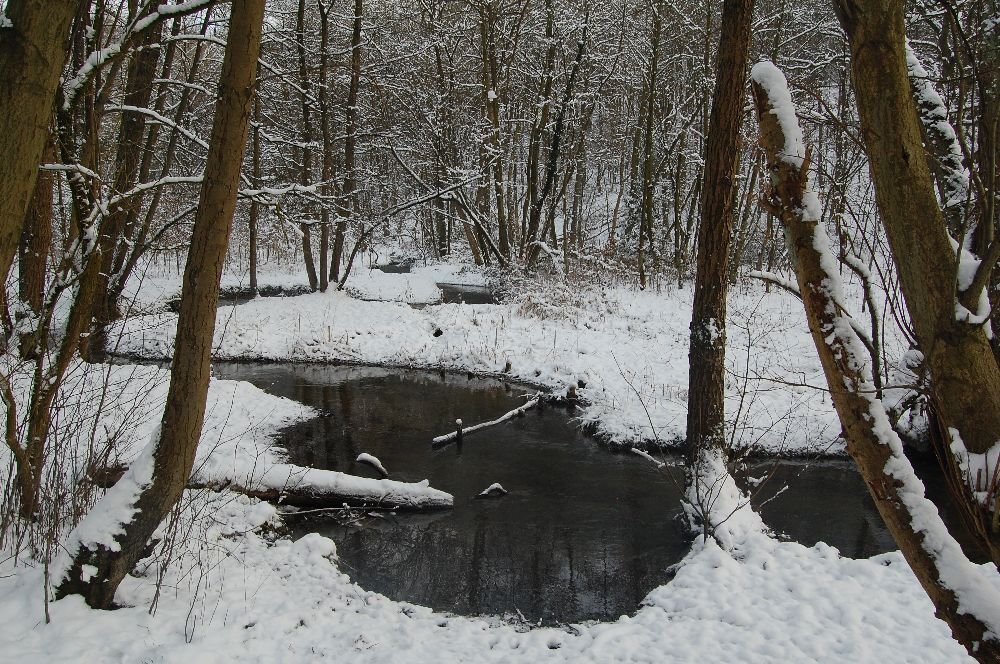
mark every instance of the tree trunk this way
{"type": "Point", "coordinates": [138, 92]}
{"type": "Point", "coordinates": [965, 378]}
{"type": "Point", "coordinates": [349, 198]}
{"type": "Point", "coordinates": [253, 217]}
{"type": "Point", "coordinates": [706, 378]}
{"type": "Point", "coordinates": [648, 158]}
{"type": "Point", "coordinates": [32, 52]}
{"type": "Point", "coordinates": [33, 254]}
{"type": "Point", "coordinates": [305, 172]}
{"type": "Point", "coordinates": [152, 492]}
{"type": "Point", "coordinates": [935, 558]}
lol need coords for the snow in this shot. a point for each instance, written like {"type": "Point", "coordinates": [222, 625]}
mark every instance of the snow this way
{"type": "Point", "coordinates": [4, 21]}
{"type": "Point", "coordinates": [769, 77]}
{"type": "Point", "coordinates": [934, 115]}
{"type": "Point", "coordinates": [494, 489]}
{"type": "Point", "coordinates": [648, 457]}
{"type": "Point", "coordinates": [232, 595]}
{"type": "Point", "coordinates": [978, 469]}
{"type": "Point", "coordinates": [373, 461]}
{"type": "Point", "coordinates": [628, 348]}
{"type": "Point", "coordinates": [104, 522]}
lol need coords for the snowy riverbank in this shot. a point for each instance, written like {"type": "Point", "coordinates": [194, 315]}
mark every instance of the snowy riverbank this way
{"type": "Point", "coordinates": [232, 595]}
{"type": "Point", "coordinates": [625, 349]}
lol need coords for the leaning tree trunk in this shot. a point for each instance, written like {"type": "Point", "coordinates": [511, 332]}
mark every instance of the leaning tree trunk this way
{"type": "Point", "coordinates": [935, 558]}
{"type": "Point", "coordinates": [706, 378]}
{"type": "Point", "coordinates": [153, 485]}
{"type": "Point", "coordinates": [128, 160]}
{"type": "Point", "coordinates": [32, 52]}
{"type": "Point", "coordinates": [965, 378]}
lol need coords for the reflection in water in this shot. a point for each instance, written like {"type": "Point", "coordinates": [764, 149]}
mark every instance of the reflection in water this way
{"type": "Point", "coordinates": [583, 533]}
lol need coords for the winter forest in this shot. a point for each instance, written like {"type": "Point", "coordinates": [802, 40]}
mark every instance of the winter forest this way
{"type": "Point", "coordinates": [500, 330]}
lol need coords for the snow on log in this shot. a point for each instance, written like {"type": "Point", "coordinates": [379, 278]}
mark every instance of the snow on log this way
{"type": "Point", "coordinates": [372, 461]}
{"type": "Point", "coordinates": [648, 457]}
{"type": "Point", "coordinates": [494, 490]}
{"type": "Point", "coordinates": [288, 484]}
{"type": "Point", "coordinates": [455, 435]}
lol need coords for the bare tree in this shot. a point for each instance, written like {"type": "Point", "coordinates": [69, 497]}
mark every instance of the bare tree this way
{"type": "Point", "coordinates": [155, 482]}
{"type": "Point", "coordinates": [707, 370]}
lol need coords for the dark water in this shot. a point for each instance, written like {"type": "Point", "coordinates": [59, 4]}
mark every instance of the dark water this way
{"type": "Point", "coordinates": [583, 534]}
{"type": "Point", "coordinates": [231, 297]}
{"type": "Point", "coordinates": [456, 293]}
{"type": "Point", "coordinates": [397, 267]}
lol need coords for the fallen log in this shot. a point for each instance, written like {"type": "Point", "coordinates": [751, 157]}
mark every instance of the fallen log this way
{"type": "Point", "coordinates": [447, 438]}
{"type": "Point", "coordinates": [311, 488]}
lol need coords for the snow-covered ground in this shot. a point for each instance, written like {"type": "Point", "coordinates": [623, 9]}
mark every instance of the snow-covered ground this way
{"type": "Point", "coordinates": [626, 349]}
{"type": "Point", "coordinates": [232, 594]}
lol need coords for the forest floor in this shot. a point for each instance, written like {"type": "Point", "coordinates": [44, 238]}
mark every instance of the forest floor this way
{"type": "Point", "coordinates": [234, 591]}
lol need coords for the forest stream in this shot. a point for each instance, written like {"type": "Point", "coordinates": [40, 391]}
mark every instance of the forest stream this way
{"type": "Point", "coordinates": [583, 534]}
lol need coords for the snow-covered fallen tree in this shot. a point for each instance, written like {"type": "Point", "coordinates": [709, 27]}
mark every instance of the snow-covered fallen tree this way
{"type": "Point", "coordinates": [289, 484]}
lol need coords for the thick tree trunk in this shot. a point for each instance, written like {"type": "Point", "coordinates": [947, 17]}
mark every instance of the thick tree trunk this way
{"type": "Point", "coordinates": [706, 378]}
{"type": "Point", "coordinates": [934, 557]}
{"type": "Point", "coordinates": [97, 568]}
{"type": "Point", "coordinates": [965, 378]}
{"type": "Point", "coordinates": [32, 53]}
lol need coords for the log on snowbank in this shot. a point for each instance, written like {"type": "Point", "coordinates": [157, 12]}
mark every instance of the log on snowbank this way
{"type": "Point", "coordinates": [288, 484]}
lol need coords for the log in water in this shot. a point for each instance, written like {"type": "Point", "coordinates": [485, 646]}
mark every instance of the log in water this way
{"type": "Point", "coordinates": [583, 533]}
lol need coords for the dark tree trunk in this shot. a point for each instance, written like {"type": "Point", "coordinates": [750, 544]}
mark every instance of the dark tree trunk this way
{"type": "Point", "coordinates": [706, 378]}
{"type": "Point", "coordinates": [253, 218]}
{"type": "Point", "coordinates": [33, 252]}
{"type": "Point", "coordinates": [349, 198]}
{"type": "Point", "coordinates": [138, 92]}
{"type": "Point", "coordinates": [32, 53]}
{"type": "Point", "coordinates": [305, 174]}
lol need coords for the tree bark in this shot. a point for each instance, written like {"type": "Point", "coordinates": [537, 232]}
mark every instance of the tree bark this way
{"type": "Point", "coordinates": [965, 377]}
{"type": "Point", "coordinates": [706, 378]}
{"type": "Point", "coordinates": [305, 172]}
{"type": "Point", "coordinates": [32, 52]}
{"type": "Point", "coordinates": [180, 429]}
{"type": "Point", "coordinates": [138, 92]}
{"type": "Point", "coordinates": [880, 461]}
{"type": "Point", "coordinates": [33, 254]}
{"type": "Point", "coordinates": [349, 198]}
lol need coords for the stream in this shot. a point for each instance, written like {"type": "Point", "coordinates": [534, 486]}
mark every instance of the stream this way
{"type": "Point", "coordinates": [583, 534]}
